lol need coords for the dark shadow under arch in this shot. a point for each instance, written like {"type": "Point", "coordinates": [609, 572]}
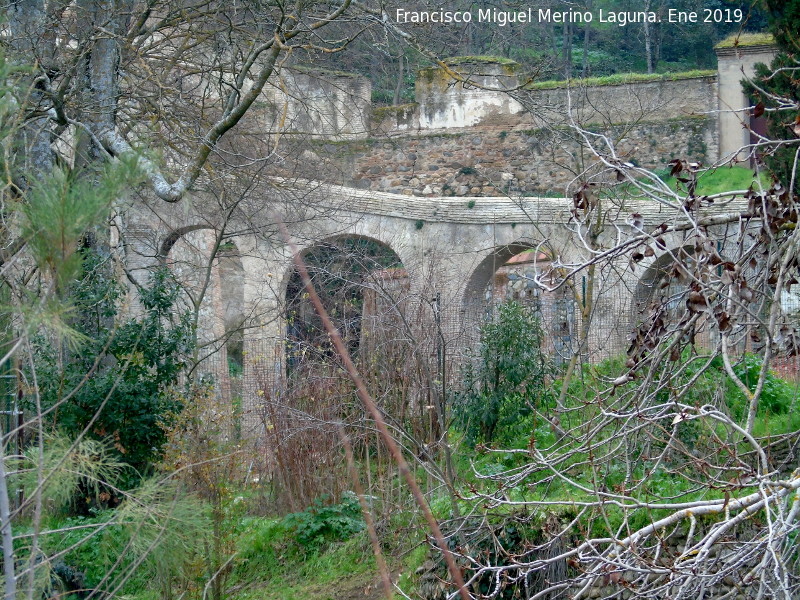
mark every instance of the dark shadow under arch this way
{"type": "Point", "coordinates": [340, 268]}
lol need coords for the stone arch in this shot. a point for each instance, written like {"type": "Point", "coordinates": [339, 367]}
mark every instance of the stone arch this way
{"type": "Point", "coordinates": [186, 251]}
{"type": "Point", "coordinates": [652, 280]}
{"type": "Point", "coordinates": [286, 269]}
{"type": "Point", "coordinates": [231, 277]}
{"type": "Point", "coordinates": [212, 277]}
{"type": "Point", "coordinates": [227, 268]}
{"type": "Point", "coordinates": [173, 236]}
{"type": "Point", "coordinates": [482, 273]}
{"type": "Point", "coordinates": [350, 257]}
{"type": "Point", "coordinates": [141, 256]}
{"type": "Point", "coordinates": [510, 275]}
{"type": "Point", "coordinates": [661, 284]}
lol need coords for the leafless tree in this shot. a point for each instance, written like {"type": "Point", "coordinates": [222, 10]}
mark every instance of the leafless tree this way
{"type": "Point", "coordinates": [103, 70]}
{"type": "Point", "coordinates": [675, 475]}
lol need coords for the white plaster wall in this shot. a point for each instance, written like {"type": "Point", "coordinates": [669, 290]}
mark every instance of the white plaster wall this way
{"type": "Point", "coordinates": [478, 99]}
{"type": "Point", "coordinates": [734, 65]}
{"type": "Point", "coordinates": [317, 104]}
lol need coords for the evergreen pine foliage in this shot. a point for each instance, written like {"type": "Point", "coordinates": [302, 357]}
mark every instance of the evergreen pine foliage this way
{"type": "Point", "coordinates": [784, 21]}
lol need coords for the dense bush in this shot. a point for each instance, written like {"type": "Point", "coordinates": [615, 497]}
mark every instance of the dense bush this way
{"type": "Point", "coordinates": [152, 541]}
{"type": "Point", "coordinates": [321, 522]}
{"type": "Point", "coordinates": [506, 379]}
{"type": "Point", "coordinates": [777, 394]}
{"type": "Point", "coordinates": [116, 380]}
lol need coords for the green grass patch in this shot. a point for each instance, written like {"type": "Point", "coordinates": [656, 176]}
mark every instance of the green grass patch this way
{"type": "Point", "coordinates": [620, 79]}
{"type": "Point", "coordinates": [408, 578]}
{"type": "Point", "coordinates": [271, 567]}
{"type": "Point", "coordinates": [724, 179]}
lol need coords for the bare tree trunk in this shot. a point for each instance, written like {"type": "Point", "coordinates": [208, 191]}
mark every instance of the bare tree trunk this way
{"type": "Point", "coordinates": [648, 42]}
{"type": "Point", "coordinates": [5, 531]}
{"type": "Point", "coordinates": [398, 90]}
{"type": "Point", "coordinates": [586, 35]}
{"type": "Point", "coordinates": [27, 20]}
{"type": "Point", "coordinates": [99, 75]}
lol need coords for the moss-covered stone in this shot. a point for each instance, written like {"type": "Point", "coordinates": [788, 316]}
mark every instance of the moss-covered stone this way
{"type": "Point", "coordinates": [743, 40]}
{"type": "Point", "coordinates": [383, 111]}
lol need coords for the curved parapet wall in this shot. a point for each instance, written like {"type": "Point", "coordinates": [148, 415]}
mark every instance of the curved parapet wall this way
{"type": "Point", "coordinates": [486, 210]}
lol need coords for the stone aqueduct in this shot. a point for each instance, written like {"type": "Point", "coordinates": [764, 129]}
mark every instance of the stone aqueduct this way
{"type": "Point", "coordinates": [450, 233]}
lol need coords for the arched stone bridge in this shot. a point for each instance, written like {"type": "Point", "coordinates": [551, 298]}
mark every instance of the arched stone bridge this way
{"type": "Point", "coordinates": [448, 246]}
{"type": "Point", "coordinates": [466, 142]}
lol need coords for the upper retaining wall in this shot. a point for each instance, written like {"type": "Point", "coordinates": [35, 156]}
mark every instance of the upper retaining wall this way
{"type": "Point", "coordinates": [476, 92]}
{"type": "Point", "coordinates": [471, 94]}
{"type": "Point", "coordinates": [478, 129]}
{"type": "Point", "coordinates": [489, 92]}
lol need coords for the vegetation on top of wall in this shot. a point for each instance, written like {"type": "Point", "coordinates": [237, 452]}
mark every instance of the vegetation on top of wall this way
{"type": "Point", "coordinates": [739, 40]}
{"type": "Point", "coordinates": [381, 111]}
{"type": "Point", "coordinates": [323, 71]}
{"type": "Point", "coordinates": [428, 74]}
{"type": "Point", "coordinates": [495, 60]}
{"type": "Point", "coordinates": [621, 79]}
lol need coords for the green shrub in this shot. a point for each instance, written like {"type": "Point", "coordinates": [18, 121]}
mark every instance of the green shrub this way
{"type": "Point", "coordinates": [505, 380]}
{"type": "Point", "coordinates": [123, 369]}
{"type": "Point", "coordinates": [152, 541]}
{"type": "Point", "coordinates": [322, 523]}
{"type": "Point", "coordinates": [776, 396]}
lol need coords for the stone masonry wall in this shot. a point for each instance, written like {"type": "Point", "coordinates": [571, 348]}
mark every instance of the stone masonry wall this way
{"type": "Point", "coordinates": [466, 136]}
{"type": "Point", "coordinates": [636, 101]}
{"type": "Point", "coordinates": [491, 162]}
